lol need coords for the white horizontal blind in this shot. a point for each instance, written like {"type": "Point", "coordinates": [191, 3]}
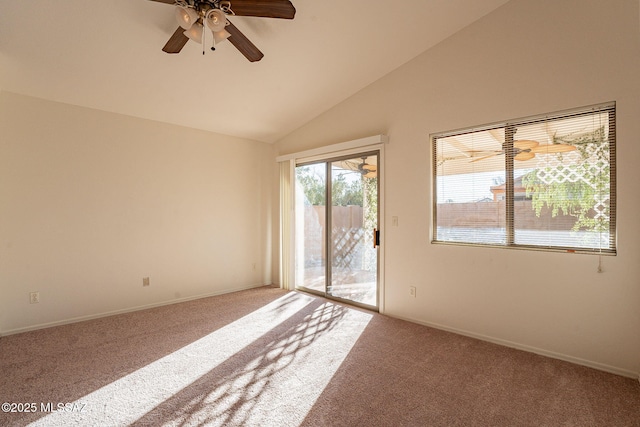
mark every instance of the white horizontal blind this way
{"type": "Point", "coordinates": [542, 182]}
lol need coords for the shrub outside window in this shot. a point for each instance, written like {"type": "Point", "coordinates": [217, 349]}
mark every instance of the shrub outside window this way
{"type": "Point", "coordinates": [545, 182]}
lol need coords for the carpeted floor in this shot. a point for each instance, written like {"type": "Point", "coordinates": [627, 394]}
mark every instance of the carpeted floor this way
{"type": "Point", "coordinates": [266, 357]}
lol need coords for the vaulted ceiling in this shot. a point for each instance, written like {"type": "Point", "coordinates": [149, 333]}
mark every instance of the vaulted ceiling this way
{"type": "Point", "coordinates": [108, 55]}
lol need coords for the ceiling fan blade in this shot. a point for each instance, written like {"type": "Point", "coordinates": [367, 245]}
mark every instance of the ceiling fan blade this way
{"type": "Point", "coordinates": [176, 42]}
{"type": "Point", "coordinates": [525, 155]}
{"type": "Point", "coordinates": [553, 148]}
{"type": "Point", "coordinates": [165, 1]}
{"type": "Point", "coordinates": [525, 144]}
{"type": "Point", "coordinates": [482, 151]}
{"type": "Point", "coordinates": [263, 8]}
{"type": "Point", "coordinates": [243, 44]}
{"type": "Point", "coordinates": [477, 159]}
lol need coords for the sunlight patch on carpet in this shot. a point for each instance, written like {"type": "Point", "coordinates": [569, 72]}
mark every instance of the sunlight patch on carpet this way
{"type": "Point", "coordinates": [272, 363]}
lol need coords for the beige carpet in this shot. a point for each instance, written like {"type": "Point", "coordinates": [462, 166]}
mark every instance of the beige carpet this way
{"type": "Point", "coordinates": [266, 357]}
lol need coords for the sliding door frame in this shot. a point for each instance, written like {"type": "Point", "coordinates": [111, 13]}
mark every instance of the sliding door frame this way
{"type": "Point", "coordinates": [287, 231]}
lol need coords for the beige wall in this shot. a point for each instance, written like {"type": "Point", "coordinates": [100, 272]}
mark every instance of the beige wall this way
{"type": "Point", "coordinates": [526, 58]}
{"type": "Point", "coordinates": [92, 202]}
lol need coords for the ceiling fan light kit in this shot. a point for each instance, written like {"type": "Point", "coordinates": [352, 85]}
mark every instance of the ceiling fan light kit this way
{"type": "Point", "coordinates": [195, 32]}
{"type": "Point", "coordinates": [194, 15]}
{"type": "Point", "coordinates": [220, 36]}
{"type": "Point", "coordinates": [186, 16]}
{"type": "Point", "coordinates": [216, 20]}
{"type": "Point", "coordinates": [194, 20]}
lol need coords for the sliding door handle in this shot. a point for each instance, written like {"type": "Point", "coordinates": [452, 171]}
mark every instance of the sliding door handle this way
{"type": "Point", "coordinates": [376, 238]}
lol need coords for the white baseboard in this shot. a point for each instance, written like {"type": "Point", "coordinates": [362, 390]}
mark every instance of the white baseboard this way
{"type": "Point", "coordinates": [576, 360]}
{"type": "Point", "coordinates": [123, 311]}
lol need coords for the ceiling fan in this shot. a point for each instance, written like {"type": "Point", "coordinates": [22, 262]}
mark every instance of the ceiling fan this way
{"type": "Point", "coordinates": [527, 150]}
{"type": "Point", "coordinates": [194, 16]}
{"type": "Point", "coordinates": [365, 169]}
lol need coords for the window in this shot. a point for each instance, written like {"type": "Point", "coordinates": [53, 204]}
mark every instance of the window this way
{"type": "Point", "coordinates": [543, 182]}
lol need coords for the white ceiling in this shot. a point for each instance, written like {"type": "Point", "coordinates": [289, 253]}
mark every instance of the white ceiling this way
{"type": "Point", "coordinates": [107, 55]}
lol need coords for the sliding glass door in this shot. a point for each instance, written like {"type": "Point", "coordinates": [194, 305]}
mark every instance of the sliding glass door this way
{"type": "Point", "coordinates": [336, 216]}
{"type": "Point", "coordinates": [310, 231]}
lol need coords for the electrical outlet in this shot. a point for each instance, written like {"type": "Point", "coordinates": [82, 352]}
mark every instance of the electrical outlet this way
{"type": "Point", "coordinates": [412, 291]}
{"type": "Point", "coordinates": [145, 281]}
{"type": "Point", "coordinates": [34, 297]}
